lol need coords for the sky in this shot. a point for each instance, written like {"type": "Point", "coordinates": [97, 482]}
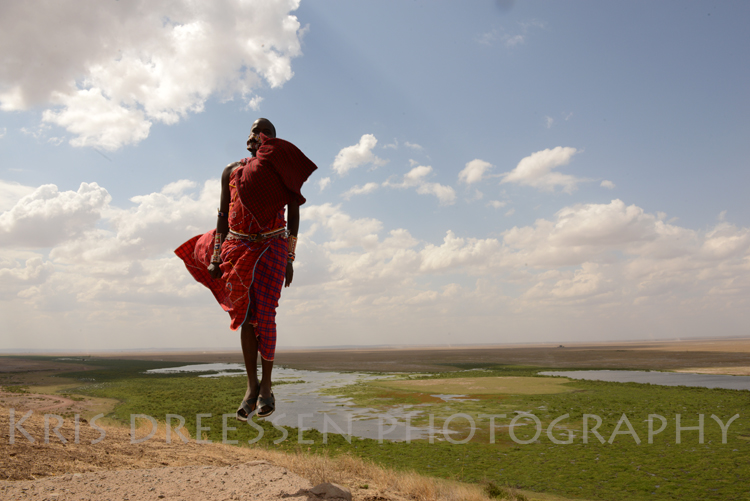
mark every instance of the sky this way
{"type": "Point", "coordinates": [489, 172]}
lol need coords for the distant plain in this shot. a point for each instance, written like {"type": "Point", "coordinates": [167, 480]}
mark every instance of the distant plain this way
{"type": "Point", "coordinates": [719, 356]}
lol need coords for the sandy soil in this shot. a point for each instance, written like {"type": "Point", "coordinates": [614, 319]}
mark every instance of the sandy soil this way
{"type": "Point", "coordinates": [117, 469]}
{"type": "Point", "coordinates": [255, 480]}
{"type": "Point", "coordinates": [730, 371]}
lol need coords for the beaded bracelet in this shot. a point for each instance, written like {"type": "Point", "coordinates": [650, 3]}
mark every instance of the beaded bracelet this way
{"type": "Point", "coordinates": [292, 247]}
{"type": "Point", "coordinates": [216, 257]}
{"type": "Point", "coordinates": [222, 214]}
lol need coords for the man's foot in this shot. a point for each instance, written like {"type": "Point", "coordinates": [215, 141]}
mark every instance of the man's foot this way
{"type": "Point", "coordinates": [248, 406]}
{"type": "Point", "coordinates": [266, 406]}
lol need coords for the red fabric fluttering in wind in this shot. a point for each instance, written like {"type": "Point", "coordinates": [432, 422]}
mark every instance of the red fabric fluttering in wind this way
{"type": "Point", "coordinates": [252, 272]}
{"type": "Point", "coordinates": [273, 178]}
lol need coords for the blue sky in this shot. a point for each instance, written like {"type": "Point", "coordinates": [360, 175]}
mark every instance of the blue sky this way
{"type": "Point", "coordinates": [489, 172]}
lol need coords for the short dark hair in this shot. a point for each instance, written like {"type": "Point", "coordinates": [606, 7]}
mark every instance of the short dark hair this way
{"type": "Point", "coordinates": [269, 124]}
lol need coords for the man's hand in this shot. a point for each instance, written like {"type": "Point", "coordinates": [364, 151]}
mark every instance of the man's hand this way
{"type": "Point", "coordinates": [215, 271]}
{"type": "Point", "coordinates": [289, 274]}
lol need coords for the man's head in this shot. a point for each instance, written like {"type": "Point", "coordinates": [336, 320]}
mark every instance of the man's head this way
{"type": "Point", "coordinates": [261, 125]}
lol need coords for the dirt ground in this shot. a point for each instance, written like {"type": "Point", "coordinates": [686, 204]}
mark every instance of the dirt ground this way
{"type": "Point", "coordinates": [117, 469]}
{"type": "Point", "coordinates": [254, 480]}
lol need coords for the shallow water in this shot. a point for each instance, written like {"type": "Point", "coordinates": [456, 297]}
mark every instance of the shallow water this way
{"type": "Point", "coordinates": [659, 378]}
{"type": "Point", "coordinates": [223, 369]}
{"type": "Point", "coordinates": [302, 405]}
{"type": "Point", "coordinates": [455, 398]}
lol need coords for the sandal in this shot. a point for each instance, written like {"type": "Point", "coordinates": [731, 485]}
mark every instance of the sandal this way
{"type": "Point", "coordinates": [249, 407]}
{"type": "Point", "coordinates": [266, 402]}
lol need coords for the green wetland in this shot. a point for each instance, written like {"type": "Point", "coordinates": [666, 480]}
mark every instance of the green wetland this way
{"type": "Point", "coordinates": [632, 463]}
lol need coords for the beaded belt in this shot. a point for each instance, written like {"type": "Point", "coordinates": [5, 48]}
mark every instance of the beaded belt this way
{"type": "Point", "coordinates": [257, 237]}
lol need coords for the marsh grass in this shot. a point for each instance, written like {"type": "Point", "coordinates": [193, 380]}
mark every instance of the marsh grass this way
{"type": "Point", "coordinates": [506, 493]}
{"type": "Point", "coordinates": [622, 470]}
{"type": "Point", "coordinates": [507, 385]}
{"type": "Point", "coordinates": [15, 389]}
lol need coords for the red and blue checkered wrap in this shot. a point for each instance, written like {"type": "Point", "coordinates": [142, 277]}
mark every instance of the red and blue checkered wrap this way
{"type": "Point", "coordinates": [253, 272]}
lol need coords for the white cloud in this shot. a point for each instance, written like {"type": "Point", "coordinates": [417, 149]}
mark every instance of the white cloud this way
{"type": "Point", "coordinates": [159, 222]}
{"type": "Point", "coordinates": [497, 204]}
{"type": "Point", "coordinates": [22, 273]}
{"type": "Point", "coordinates": [577, 286]}
{"type": "Point", "coordinates": [323, 183]}
{"type": "Point", "coordinates": [508, 38]}
{"type": "Point", "coordinates": [107, 265]}
{"type": "Point", "coordinates": [592, 232]}
{"type": "Point", "coordinates": [345, 232]}
{"type": "Point", "coordinates": [456, 252]}
{"type": "Point", "coordinates": [413, 146]}
{"type": "Point", "coordinates": [254, 103]}
{"type": "Point", "coordinates": [152, 62]}
{"type": "Point", "coordinates": [626, 256]}
{"type": "Point", "coordinates": [607, 184]}
{"type": "Point", "coordinates": [98, 121]}
{"type": "Point", "coordinates": [11, 193]}
{"type": "Point", "coordinates": [357, 155]}
{"type": "Point", "coordinates": [725, 241]}
{"type": "Point", "coordinates": [474, 171]}
{"type": "Point", "coordinates": [46, 217]}
{"type": "Point", "coordinates": [37, 132]}
{"type": "Point", "coordinates": [360, 190]}
{"type": "Point", "coordinates": [445, 194]}
{"type": "Point", "coordinates": [536, 170]}
{"type": "Point", "coordinates": [548, 121]}
{"type": "Point", "coordinates": [3, 131]}
{"type": "Point", "coordinates": [513, 40]}
{"type": "Point", "coordinates": [596, 267]}
{"type": "Point", "coordinates": [417, 178]}
{"type": "Point", "coordinates": [604, 224]}
{"type": "Point", "coordinates": [510, 212]}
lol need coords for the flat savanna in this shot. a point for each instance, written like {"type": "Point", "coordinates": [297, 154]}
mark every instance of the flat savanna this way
{"type": "Point", "coordinates": [112, 384]}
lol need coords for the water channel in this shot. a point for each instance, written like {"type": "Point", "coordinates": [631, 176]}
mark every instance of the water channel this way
{"type": "Point", "coordinates": [659, 378]}
{"type": "Point", "coordinates": [302, 405]}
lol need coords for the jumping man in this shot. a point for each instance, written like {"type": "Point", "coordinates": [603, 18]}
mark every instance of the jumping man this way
{"type": "Point", "coordinates": [249, 257]}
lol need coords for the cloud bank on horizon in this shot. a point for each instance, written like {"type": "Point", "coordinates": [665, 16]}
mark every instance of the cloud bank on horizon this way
{"type": "Point", "coordinates": [74, 255]}
{"type": "Point", "coordinates": [405, 239]}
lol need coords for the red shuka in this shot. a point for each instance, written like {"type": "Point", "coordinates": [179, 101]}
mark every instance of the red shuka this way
{"type": "Point", "coordinates": [273, 178]}
{"type": "Point", "coordinates": [253, 272]}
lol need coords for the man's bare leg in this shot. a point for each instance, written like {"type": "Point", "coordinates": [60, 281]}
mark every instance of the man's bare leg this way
{"type": "Point", "coordinates": [265, 382]}
{"type": "Point", "coordinates": [250, 354]}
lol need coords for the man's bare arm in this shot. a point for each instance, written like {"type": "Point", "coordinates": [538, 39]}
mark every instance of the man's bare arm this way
{"type": "Point", "coordinates": [222, 222]}
{"type": "Point", "coordinates": [293, 227]}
